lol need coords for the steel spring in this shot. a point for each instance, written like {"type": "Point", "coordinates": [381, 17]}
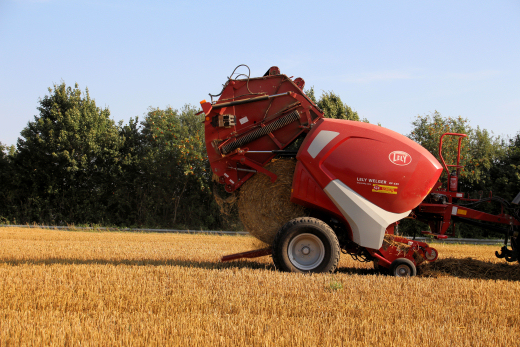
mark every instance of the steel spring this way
{"type": "Point", "coordinates": [256, 134]}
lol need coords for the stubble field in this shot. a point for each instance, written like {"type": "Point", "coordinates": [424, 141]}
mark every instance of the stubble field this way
{"type": "Point", "coordinates": [104, 289]}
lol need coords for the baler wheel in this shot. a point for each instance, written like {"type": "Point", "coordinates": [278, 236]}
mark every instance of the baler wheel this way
{"type": "Point", "coordinates": [306, 245]}
{"type": "Point", "coordinates": [431, 254]}
{"type": "Point", "coordinates": [402, 267]}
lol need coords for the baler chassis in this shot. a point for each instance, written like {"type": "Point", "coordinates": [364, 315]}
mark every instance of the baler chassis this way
{"type": "Point", "coordinates": [257, 119]}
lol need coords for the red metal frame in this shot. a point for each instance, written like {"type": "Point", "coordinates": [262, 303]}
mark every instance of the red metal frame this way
{"type": "Point", "coordinates": [461, 136]}
{"type": "Point", "coordinates": [251, 254]}
{"type": "Point", "coordinates": [387, 256]}
{"type": "Point", "coordinates": [369, 159]}
{"type": "Point", "coordinates": [439, 215]}
{"type": "Point", "coordinates": [255, 103]}
{"type": "Point", "coordinates": [360, 156]}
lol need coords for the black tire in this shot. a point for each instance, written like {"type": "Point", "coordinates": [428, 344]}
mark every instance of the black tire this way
{"type": "Point", "coordinates": [403, 267]}
{"type": "Point", "coordinates": [306, 245]}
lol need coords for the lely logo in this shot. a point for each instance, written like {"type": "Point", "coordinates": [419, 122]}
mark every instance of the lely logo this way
{"type": "Point", "coordinates": [400, 158]}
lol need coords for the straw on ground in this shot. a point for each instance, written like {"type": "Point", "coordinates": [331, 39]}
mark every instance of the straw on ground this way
{"type": "Point", "coordinates": [101, 289]}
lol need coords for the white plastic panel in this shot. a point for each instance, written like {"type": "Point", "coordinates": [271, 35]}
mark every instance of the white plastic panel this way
{"type": "Point", "coordinates": [320, 141]}
{"type": "Point", "coordinates": [367, 220]}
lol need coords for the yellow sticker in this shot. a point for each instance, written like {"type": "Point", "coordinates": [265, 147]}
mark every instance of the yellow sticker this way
{"type": "Point", "coordinates": [459, 211]}
{"type": "Point", "coordinates": [378, 188]}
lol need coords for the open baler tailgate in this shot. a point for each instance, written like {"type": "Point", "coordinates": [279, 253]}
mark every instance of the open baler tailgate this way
{"type": "Point", "coordinates": [252, 120]}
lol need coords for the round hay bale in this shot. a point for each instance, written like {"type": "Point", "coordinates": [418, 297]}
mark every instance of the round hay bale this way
{"type": "Point", "coordinates": [264, 207]}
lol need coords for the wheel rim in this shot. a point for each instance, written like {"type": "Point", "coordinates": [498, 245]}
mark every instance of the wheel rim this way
{"type": "Point", "coordinates": [403, 270]}
{"type": "Point", "coordinates": [431, 254]}
{"type": "Point", "coordinates": [306, 251]}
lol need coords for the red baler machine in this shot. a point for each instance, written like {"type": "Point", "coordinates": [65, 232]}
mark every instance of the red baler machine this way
{"type": "Point", "coordinates": [355, 179]}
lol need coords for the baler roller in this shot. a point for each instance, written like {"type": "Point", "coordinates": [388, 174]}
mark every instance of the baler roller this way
{"type": "Point", "coordinates": [258, 133]}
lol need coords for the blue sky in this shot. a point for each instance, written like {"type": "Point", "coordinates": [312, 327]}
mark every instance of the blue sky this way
{"type": "Point", "coordinates": [388, 60]}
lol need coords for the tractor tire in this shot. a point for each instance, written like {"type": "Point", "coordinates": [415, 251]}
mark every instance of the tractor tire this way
{"type": "Point", "coordinates": [306, 245]}
{"type": "Point", "coordinates": [403, 267]}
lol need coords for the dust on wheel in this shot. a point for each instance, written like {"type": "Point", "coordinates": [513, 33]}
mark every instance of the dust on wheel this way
{"type": "Point", "coordinates": [403, 267]}
{"type": "Point", "coordinates": [306, 245]}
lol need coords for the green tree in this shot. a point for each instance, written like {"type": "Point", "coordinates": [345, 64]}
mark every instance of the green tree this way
{"type": "Point", "coordinates": [68, 158]}
{"type": "Point", "coordinates": [332, 106]}
{"type": "Point", "coordinates": [310, 93]}
{"type": "Point", "coordinates": [177, 186]}
{"type": "Point", "coordinates": [125, 205]}
{"type": "Point", "coordinates": [4, 160]}
{"type": "Point", "coordinates": [505, 174]}
{"type": "Point", "coordinates": [7, 177]}
{"type": "Point", "coordinates": [479, 150]}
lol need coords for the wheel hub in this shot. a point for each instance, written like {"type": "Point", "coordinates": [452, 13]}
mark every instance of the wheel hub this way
{"type": "Point", "coordinates": [306, 251]}
{"type": "Point", "coordinates": [402, 271]}
{"type": "Point", "coordinates": [431, 254]}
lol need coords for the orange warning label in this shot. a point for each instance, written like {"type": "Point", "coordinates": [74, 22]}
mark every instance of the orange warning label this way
{"type": "Point", "coordinates": [378, 188]}
{"type": "Point", "coordinates": [463, 212]}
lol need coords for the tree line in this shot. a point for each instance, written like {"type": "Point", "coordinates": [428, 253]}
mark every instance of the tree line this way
{"type": "Point", "coordinates": [74, 165]}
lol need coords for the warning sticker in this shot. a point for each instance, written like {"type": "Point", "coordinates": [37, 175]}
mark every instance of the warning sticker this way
{"type": "Point", "coordinates": [378, 188]}
{"type": "Point", "coordinates": [243, 120]}
{"type": "Point", "coordinates": [462, 212]}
